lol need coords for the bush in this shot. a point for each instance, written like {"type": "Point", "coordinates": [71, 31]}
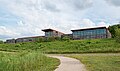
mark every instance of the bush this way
{"type": "Point", "coordinates": [118, 35]}
{"type": "Point", "coordinates": [1, 42]}
{"type": "Point", "coordinates": [112, 30]}
{"type": "Point", "coordinates": [39, 39]}
{"type": "Point", "coordinates": [17, 45]}
{"type": "Point", "coordinates": [66, 38]}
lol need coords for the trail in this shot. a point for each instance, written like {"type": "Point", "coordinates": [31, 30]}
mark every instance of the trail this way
{"type": "Point", "coordinates": [69, 64]}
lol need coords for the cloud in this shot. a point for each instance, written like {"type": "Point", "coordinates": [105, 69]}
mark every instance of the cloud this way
{"type": "Point", "coordinates": [4, 32]}
{"type": "Point", "coordinates": [81, 4]}
{"type": "Point", "coordinates": [34, 15]}
{"type": "Point", "coordinates": [113, 2]}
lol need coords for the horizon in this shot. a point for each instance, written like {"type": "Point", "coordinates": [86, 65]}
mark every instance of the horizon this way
{"type": "Point", "coordinates": [25, 18]}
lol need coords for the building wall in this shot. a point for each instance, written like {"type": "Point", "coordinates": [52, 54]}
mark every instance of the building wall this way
{"type": "Point", "coordinates": [53, 34]}
{"type": "Point", "coordinates": [90, 34]}
{"type": "Point", "coordinates": [11, 41]}
{"type": "Point", "coordinates": [67, 35]}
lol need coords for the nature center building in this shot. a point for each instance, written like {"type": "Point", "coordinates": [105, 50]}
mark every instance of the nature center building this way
{"type": "Point", "coordinates": [52, 33]}
{"type": "Point", "coordinates": [91, 33]}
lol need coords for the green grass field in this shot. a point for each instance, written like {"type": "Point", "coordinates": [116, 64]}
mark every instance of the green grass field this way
{"type": "Point", "coordinates": [99, 62]}
{"type": "Point", "coordinates": [26, 61]}
{"type": "Point", "coordinates": [30, 55]}
{"type": "Point", "coordinates": [73, 46]}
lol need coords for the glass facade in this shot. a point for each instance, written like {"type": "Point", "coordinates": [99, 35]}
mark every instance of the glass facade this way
{"type": "Point", "coordinates": [48, 34]}
{"type": "Point", "coordinates": [87, 34]}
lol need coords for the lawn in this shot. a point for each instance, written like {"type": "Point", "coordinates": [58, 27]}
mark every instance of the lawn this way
{"type": "Point", "coordinates": [26, 61]}
{"type": "Point", "coordinates": [99, 62]}
{"type": "Point", "coordinates": [62, 47]}
{"type": "Point", "coordinates": [82, 46]}
{"type": "Point", "coordinates": [30, 55]}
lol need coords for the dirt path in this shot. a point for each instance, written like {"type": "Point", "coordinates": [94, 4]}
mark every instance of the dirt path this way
{"type": "Point", "coordinates": [69, 64]}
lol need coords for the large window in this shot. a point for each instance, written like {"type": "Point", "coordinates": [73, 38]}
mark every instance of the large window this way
{"type": "Point", "coordinates": [48, 34]}
{"type": "Point", "coordinates": [89, 33]}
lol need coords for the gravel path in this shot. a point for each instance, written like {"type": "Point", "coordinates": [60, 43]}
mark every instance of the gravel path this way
{"type": "Point", "coordinates": [69, 64]}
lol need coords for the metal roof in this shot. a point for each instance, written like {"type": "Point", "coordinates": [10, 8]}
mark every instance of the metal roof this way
{"type": "Point", "coordinates": [90, 28]}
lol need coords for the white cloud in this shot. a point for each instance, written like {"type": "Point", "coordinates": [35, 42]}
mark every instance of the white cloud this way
{"type": "Point", "coordinates": [113, 2]}
{"type": "Point", "coordinates": [7, 32]}
{"type": "Point", "coordinates": [62, 15]}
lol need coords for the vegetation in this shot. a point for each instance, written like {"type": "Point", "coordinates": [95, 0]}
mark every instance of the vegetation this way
{"type": "Point", "coordinates": [29, 56]}
{"type": "Point", "coordinates": [99, 62]}
{"type": "Point", "coordinates": [73, 46]}
{"type": "Point", "coordinates": [1, 42]}
{"type": "Point", "coordinates": [118, 35]}
{"type": "Point", "coordinates": [27, 61]}
{"type": "Point", "coordinates": [66, 38]}
{"type": "Point", "coordinates": [112, 30]}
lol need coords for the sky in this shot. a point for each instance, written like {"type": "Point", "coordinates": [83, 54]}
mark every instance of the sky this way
{"type": "Point", "coordinates": [22, 18]}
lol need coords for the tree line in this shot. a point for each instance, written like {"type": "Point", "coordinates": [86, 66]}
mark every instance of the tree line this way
{"type": "Point", "coordinates": [115, 32]}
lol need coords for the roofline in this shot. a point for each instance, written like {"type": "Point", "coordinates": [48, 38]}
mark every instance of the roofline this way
{"type": "Point", "coordinates": [45, 30]}
{"type": "Point", "coordinates": [30, 37]}
{"type": "Point", "coordinates": [89, 29]}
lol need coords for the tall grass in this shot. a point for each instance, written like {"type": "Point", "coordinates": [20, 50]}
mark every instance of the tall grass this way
{"type": "Point", "coordinates": [32, 61]}
{"type": "Point", "coordinates": [99, 62]}
{"type": "Point", "coordinates": [73, 46]}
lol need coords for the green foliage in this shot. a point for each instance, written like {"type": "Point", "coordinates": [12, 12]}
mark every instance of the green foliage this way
{"type": "Point", "coordinates": [1, 42]}
{"type": "Point", "coordinates": [66, 38]}
{"type": "Point", "coordinates": [40, 39]}
{"type": "Point", "coordinates": [99, 62]}
{"type": "Point", "coordinates": [112, 30]}
{"type": "Point", "coordinates": [51, 39]}
{"type": "Point", "coordinates": [74, 46]}
{"type": "Point", "coordinates": [118, 35]}
{"type": "Point", "coordinates": [17, 45]}
{"type": "Point", "coordinates": [27, 61]}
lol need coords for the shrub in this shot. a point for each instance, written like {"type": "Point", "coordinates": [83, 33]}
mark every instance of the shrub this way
{"type": "Point", "coordinates": [1, 42]}
{"type": "Point", "coordinates": [39, 39]}
{"type": "Point", "coordinates": [17, 45]}
{"type": "Point", "coordinates": [118, 35]}
{"type": "Point", "coordinates": [112, 30]}
{"type": "Point", "coordinates": [66, 38]}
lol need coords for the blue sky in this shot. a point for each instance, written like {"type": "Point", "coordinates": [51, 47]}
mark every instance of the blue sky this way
{"type": "Point", "coordinates": [20, 18]}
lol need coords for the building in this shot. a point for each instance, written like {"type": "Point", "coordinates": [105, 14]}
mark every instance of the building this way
{"type": "Point", "coordinates": [52, 33]}
{"type": "Point", "coordinates": [11, 41]}
{"type": "Point", "coordinates": [24, 39]}
{"type": "Point", "coordinates": [28, 39]}
{"type": "Point", "coordinates": [67, 35]}
{"type": "Point", "coordinates": [91, 33]}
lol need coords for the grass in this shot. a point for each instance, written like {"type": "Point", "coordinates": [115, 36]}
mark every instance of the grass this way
{"type": "Point", "coordinates": [29, 56]}
{"type": "Point", "coordinates": [99, 62]}
{"type": "Point", "coordinates": [27, 61]}
{"type": "Point", "coordinates": [73, 46]}
{"type": "Point", "coordinates": [82, 46]}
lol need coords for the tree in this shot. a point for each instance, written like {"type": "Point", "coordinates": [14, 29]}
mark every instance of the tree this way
{"type": "Point", "coordinates": [66, 38]}
{"type": "Point", "coordinates": [112, 30]}
{"type": "Point", "coordinates": [117, 35]}
{"type": "Point", "coordinates": [39, 39]}
{"type": "Point", "coordinates": [1, 42]}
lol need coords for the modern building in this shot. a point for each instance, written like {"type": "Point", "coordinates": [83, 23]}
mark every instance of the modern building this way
{"type": "Point", "coordinates": [88, 33]}
{"type": "Point", "coordinates": [91, 33]}
{"type": "Point", "coordinates": [28, 39]}
{"type": "Point", "coordinates": [24, 39]}
{"type": "Point", "coordinates": [11, 41]}
{"type": "Point", "coordinates": [52, 33]}
{"type": "Point", "coordinates": [67, 35]}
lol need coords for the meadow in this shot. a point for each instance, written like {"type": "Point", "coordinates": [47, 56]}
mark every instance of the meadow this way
{"type": "Point", "coordinates": [30, 56]}
{"type": "Point", "coordinates": [26, 61]}
{"type": "Point", "coordinates": [62, 47]}
{"type": "Point", "coordinates": [99, 62]}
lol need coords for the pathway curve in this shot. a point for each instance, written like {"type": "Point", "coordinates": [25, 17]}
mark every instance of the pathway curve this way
{"type": "Point", "coordinates": [69, 64]}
